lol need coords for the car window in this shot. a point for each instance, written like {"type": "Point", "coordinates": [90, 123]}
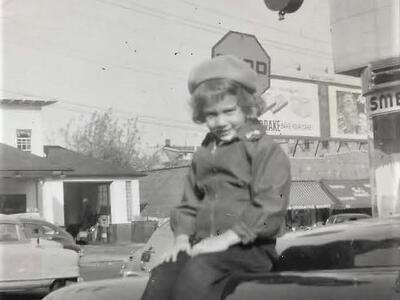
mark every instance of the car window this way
{"type": "Point", "coordinates": [8, 232]}
{"type": "Point", "coordinates": [48, 230]}
{"type": "Point", "coordinates": [339, 220]}
{"type": "Point", "coordinates": [330, 220]}
{"type": "Point", "coordinates": [29, 230]}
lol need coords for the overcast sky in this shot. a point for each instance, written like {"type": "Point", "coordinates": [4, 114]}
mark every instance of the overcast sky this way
{"type": "Point", "coordinates": [135, 55]}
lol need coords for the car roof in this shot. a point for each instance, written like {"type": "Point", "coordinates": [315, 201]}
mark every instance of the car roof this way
{"type": "Point", "coordinates": [9, 219]}
{"type": "Point", "coordinates": [351, 215]}
{"type": "Point", "coordinates": [35, 221]}
{"type": "Point", "coordinates": [46, 223]}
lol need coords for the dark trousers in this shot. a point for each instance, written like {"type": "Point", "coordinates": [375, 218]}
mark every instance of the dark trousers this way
{"type": "Point", "coordinates": [205, 276]}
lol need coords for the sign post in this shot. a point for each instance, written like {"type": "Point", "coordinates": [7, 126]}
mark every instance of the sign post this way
{"type": "Point", "coordinates": [247, 47]}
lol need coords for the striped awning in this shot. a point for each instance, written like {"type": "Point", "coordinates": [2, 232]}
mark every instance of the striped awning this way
{"type": "Point", "coordinates": [309, 195]}
{"type": "Point", "coordinates": [350, 193]}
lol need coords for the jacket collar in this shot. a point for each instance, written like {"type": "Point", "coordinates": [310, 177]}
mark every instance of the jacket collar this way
{"type": "Point", "coordinates": [252, 130]}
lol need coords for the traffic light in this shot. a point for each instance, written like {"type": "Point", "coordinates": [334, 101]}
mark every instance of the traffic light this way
{"type": "Point", "coordinates": [283, 6]}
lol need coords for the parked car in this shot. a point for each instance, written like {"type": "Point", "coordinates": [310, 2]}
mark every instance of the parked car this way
{"type": "Point", "coordinates": [341, 218]}
{"type": "Point", "coordinates": [28, 264]}
{"type": "Point", "coordinates": [34, 228]}
{"type": "Point", "coordinates": [357, 260]}
{"type": "Point", "coordinates": [141, 262]}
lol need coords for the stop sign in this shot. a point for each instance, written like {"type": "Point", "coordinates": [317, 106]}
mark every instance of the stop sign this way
{"type": "Point", "coordinates": [247, 47]}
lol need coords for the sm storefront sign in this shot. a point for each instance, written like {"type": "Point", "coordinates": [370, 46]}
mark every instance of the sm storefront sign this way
{"type": "Point", "coordinates": [383, 102]}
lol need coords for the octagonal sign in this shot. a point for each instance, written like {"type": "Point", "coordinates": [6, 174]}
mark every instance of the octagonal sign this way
{"type": "Point", "coordinates": [247, 47]}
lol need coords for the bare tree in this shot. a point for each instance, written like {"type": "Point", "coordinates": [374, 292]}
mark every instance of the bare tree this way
{"type": "Point", "coordinates": [105, 137]}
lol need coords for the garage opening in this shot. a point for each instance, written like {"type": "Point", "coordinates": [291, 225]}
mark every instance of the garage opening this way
{"type": "Point", "coordinates": [84, 203]}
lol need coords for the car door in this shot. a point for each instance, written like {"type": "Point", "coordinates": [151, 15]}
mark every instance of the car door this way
{"type": "Point", "coordinates": [35, 230]}
{"type": "Point", "coordinates": [21, 259]}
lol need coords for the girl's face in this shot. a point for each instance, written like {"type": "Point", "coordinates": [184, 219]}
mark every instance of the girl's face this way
{"type": "Point", "coordinates": [224, 118]}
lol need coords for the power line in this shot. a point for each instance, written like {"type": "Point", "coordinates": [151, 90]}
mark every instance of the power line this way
{"type": "Point", "coordinates": [112, 64]}
{"type": "Point", "coordinates": [78, 53]}
{"type": "Point", "coordinates": [100, 63]}
{"type": "Point", "coordinates": [250, 21]}
{"type": "Point", "coordinates": [141, 118]}
{"type": "Point", "coordinates": [207, 27]}
{"type": "Point", "coordinates": [219, 27]}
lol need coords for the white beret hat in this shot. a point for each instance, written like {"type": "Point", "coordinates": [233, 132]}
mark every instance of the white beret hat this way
{"type": "Point", "coordinates": [223, 66]}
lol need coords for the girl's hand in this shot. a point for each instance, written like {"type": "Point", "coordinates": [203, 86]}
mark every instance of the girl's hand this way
{"type": "Point", "coordinates": [181, 244]}
{"type": "Point", "coordinates": [215, 243]}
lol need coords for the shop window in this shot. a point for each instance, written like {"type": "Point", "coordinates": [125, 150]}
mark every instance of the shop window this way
{"type": "Point", "coordinates": [24, 139]}
{"type": "Point", "coordinates": [325, 145]}
{"type": "Point", "coordinates": [306, 145]}
{"type": "Point", "coordinates": [103, 199]}
{"type": "Point", "coordinates": [12, 204]}
{"type": "Point", "coordinates": [386, 133]}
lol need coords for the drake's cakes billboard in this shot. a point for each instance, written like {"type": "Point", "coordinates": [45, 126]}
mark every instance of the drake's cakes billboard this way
{"type": "Point", "coordinates": [293, 109]}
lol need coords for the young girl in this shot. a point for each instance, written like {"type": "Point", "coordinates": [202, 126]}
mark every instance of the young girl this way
{"type": "Point", "coordinates": [235, 195]}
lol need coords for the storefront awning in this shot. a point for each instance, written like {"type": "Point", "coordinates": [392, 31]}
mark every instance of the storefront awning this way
{"type": "Point", "coordinates": [349, 193]}
{"type": "Point", "coordinates": [309, 195]}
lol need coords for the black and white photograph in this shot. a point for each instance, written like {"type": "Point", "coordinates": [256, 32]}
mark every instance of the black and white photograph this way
{"type": "Point", "coordinates": [348, 114]}
{"type": "Point", "coordinates": [199, 149]}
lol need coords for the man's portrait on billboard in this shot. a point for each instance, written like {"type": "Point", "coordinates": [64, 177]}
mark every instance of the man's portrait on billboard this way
{"type": "Point", "coordinates": [351, 113]}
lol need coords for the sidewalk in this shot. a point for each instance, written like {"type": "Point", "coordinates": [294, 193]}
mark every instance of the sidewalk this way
{"type": "Point", "coordinates": [102, 253]}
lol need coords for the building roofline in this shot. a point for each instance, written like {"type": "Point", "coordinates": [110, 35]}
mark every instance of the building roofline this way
{"type": "Point", "coordinates": [34, 170]}
{"type": "Point", "coordinates": [167, 168]}
{"type": "Point", "coordinates": [113, 176]}
{"type": "Point", "coordinates": [22, 101]}
{"type": "Point", "coordinates": [117, 172]}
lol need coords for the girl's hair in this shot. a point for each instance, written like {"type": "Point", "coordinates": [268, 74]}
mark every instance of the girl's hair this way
{"type": "Point", "coordinates": [215, 90]}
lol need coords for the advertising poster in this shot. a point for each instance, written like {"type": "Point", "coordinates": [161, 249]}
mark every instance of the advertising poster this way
{"type": "Point", "coordinates": [293, 109]}
{"type": "Point", "coordinates": [347, 113]}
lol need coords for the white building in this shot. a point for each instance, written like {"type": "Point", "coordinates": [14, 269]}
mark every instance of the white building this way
{"type": "Point", "coordinates": [54, 181]}
{"type": "Point", "coordinates": [111, 190]}
{"type": "Point", "coordinates": [21, 178]}
{"type": "Point", "coordinates": [21, 124]}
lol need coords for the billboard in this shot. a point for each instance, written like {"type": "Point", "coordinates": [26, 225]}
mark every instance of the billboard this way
{"type": "Point", "coordinates": [293, 109]}
{"type": "Point", "coordinates": [347, 113]}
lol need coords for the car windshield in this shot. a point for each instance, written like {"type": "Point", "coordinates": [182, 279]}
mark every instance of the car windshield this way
{"type": "Point", "coordinates": [8, 232]}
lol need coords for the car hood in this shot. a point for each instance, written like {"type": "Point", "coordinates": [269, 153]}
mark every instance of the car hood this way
{"type": "Point", "coordinates": [306, 250]}
{"type": "Point", "coordinates": [335, 284]}
{"type": "Point", "coordinates": [121, 289]}
{"type": "Point", "coordinates": [367, 284]}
